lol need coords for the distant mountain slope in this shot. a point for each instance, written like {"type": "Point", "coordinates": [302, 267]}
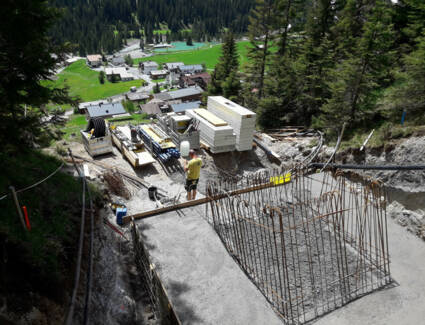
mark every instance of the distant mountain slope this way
{"type": "Point", "coordinates": [103, 24]}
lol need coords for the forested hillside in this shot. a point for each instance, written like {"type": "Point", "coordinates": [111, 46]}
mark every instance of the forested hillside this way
{"type": "Point", "coordinates": [103, 25]}
{"type": "Point", "coordinates": [334, 61]}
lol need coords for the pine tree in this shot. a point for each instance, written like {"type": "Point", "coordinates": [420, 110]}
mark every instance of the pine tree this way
{"type": "Point", "coordinates": [156, 88]}
{"type": "Point", "coordinates": [365, 64]}
{"type": "Point", "coordinates": [27, 62]}
{"type": "Point", "coordinates": [283, 85]}
{"type": "Point", "coordinates": [227, 64]}
{"type": "Point", "coordinates": [262, 24]}
{"type": "Point", "coordinates": [102, 77]}
{"type": "Point", "coordinates": [409, 92]}
{"type": "Point", "coordinates": [129, 60]}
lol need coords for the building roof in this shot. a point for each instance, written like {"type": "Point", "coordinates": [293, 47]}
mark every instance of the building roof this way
{"type": "Point", "coordinates": [120, 71]}
{"type": "Point", "coordinates": [173, 65]}
{"type": "Point", "coordinates": [93, 103]}
{"type": "Point", "coordinates": [151, 108]}
{"type": "Point", "coordinates": [158, 72]}
{"type": "Point", "coordinates": [177, 94]}
{"type": "Point", "coordinates": [177, 108]}
{"type": "Point", "coordinates": [118, 60]}
{"type": "Point", "coordinates": [94, 57]}
{"type": "Point", "coordinates": [106, 110]}
{"type": "Point", "coordinates": [150, 64]}
{"type": "Point", "coordinates": [193, 67]}
{"type": "Point", "coordinates": [137, 96]}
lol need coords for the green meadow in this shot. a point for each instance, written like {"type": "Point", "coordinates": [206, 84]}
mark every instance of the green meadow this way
{"type": "Point", "coordinates": [207, 55]}
{"type": "Point", "coordinates": [84, 82]}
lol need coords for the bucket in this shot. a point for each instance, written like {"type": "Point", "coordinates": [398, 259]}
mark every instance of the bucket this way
{"type": "Point", "coordinates": [184, 148]}
{"type": "Point", "coordinates": [152, 192]}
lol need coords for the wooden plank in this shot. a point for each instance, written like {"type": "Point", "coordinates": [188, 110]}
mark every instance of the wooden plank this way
{"type": "Point", "coordinates": [151, 213]}
{"type": "Point", "coordinates": [210, 117]}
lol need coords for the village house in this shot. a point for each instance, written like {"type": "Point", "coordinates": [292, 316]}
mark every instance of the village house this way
{"type": "Point", "coordinates": [157, 106]}
{"type": "Point", "coordinates": [185, 95]}
{"type": "Point", "coordinates": [118, 73]}
{"type": "Point", "coordinates": [137, 97]}
{"type": "Point", "coordinates": [94, 60]}
{"type": "Point", "coordinates": [172, 66]}
{"type": "Point", "coordinates": [202, 80]}
{"type": "Point", "coordinates": [148, 66]}
{"type": "Point", "coordinates": [182, 107]}
{"type": "Point", "coordinates": [105, 110]}
{"type": "Point", "coordinates": [118, 61]}
{"type": "Point", "coordinates": [82, 107]}
{"type": "Point", "coordinates": [190, 69]}
{"type": "Point", "coordinates": [158, 74]}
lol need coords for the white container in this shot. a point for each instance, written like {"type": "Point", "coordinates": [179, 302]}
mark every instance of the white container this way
{"type": "Point", "coordinates": [184, 148]}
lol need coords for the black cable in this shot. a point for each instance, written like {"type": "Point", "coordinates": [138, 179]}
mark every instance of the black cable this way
{"type": "Point", "coordinates": [369, 167]}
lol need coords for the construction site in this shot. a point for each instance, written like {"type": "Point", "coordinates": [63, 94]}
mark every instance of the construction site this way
{"type": "Point", "coordinates": [277, 233]}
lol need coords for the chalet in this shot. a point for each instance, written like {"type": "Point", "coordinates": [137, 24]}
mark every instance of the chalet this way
{"type": "Point", "coordinates": [185, 95]}
{"type": "Point", "coordinates": [82, 107]}
{"type": "Point", "coordinates": [173, 78]}
{"type": "Point", "coordinates": [173, 66]}
{"type": "Point", "coordinates": [148, 66]}
{"type": "Point", "coordinates": [105, 110]}
{"type": "Point", "coordinates": [137, 97]}
{"type": "Point", "coordinates": [201, 79]}
{"type": "Point", "coordinates": [120, 73]}
{"type": "Point", "coordinates": [190, 69]}
{"type": "Point", "coordinates": [180, 108]}
{"type": "Point", "coordinates": [118, 61]}
{"type": "Point", "coordinates": [158, 74]}
{"type": "Point", "coordinates": [94, 60]}
{"type": "Point", "coordinates": [155, 107]}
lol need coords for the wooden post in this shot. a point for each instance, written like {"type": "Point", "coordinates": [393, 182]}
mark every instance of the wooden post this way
{"type": "Point", "coordinates": [18, 208]}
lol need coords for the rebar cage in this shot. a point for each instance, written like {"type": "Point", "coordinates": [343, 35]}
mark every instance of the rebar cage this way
{"type": "Point", "coordinates": [310, 243]}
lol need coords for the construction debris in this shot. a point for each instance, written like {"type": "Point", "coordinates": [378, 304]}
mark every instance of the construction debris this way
{"type": "Point", "coordinates": [116, 183]}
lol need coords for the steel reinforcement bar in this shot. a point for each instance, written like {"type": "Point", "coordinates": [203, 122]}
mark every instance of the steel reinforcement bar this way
{"type": "Point", "coordinates": [310, 246]}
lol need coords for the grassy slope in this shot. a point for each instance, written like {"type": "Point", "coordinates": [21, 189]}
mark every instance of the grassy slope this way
{"type": "Point", "coordinates": [209, 56]}
{"type": "Point", "coordinates": [84, 82]}
{"type": "Point", "coordinates": [39, 261]}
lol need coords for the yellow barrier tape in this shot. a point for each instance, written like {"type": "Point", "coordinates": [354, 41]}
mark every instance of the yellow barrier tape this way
{"type": "Point", "coordinates": [281, 179]}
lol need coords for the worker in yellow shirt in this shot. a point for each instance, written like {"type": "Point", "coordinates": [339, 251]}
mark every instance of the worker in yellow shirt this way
{"type": "Point", "coordinates": [193, 169]}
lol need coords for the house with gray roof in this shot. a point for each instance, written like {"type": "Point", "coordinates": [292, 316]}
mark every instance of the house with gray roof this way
{"type": "Point", "coordinates": [191, 69]}
{"type": "Point", "coordinates": [105, 110]}
{"type": "Point", "coordinates": [118, 61]}
{"type": "Point", "coordinates": [148, 66]}
{"type": "Point", "coordinates": [179, 108]}
{"type": "Point", "coordinates": [185, 95]}
{"type": "Point", "coordinates": [172, 66]}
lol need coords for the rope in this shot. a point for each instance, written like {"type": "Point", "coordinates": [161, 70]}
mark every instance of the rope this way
{"type": "Point", "coordinates": [35, 184]}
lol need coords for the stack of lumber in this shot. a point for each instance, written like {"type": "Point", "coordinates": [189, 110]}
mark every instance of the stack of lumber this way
{"type": "Point", "coordinates": [215, 133]}
{"type": "Point", "coordinates": [241, 119]}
